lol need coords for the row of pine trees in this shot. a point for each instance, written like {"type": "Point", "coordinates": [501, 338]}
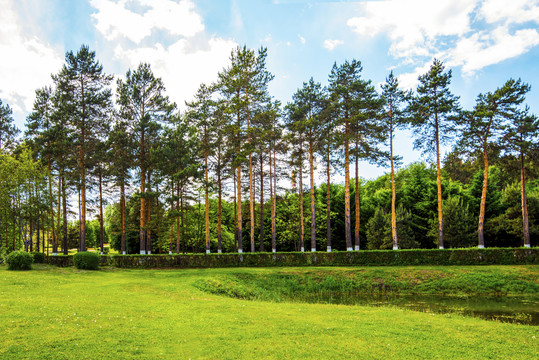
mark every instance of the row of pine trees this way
{"type": "Point", "coordinates": [83, 145]}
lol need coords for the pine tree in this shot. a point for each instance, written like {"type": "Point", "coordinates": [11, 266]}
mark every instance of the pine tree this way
{"type": "Point", "coordinates": [309, 103]}
{"type": "Point", "coordinates": [482, 128]}
{"type": "Point", "coordinates": [393, 117]}
{"type": "Point", "coordinates": [432, 110]}
{"type": "Point", "coordinates": [521, 136]}
{"type": "Point", "coordinates": [82, 86]}
{"type": "Point", "coordinates": [8, 131]}
{"type": "Point", "coordinates": [244, 86]}
{"type": "Point", "coordinates": [145, 106]}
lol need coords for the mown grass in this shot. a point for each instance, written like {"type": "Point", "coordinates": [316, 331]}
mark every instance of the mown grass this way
{"type": "Point", "coordinates": [64, 313]}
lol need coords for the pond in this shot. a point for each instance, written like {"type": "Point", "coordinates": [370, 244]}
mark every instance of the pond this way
{"type": "Point", "coordinates": [515, 309]}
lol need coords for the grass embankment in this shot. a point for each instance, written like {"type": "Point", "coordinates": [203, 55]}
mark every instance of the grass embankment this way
{"type": "Point", "coordinates": [303, 284]}
{"type": "Point", "coordinates": [64, 313]}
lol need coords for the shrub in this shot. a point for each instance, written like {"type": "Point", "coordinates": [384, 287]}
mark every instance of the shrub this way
{"type": "Point", "coordinates": [19, 260]}
{"type": "Point", "coordinates": [39, 258]}
{"type": "Point", "coordinates": [86, 260]}
{"type": "Point", "coordinates": [106, 250]}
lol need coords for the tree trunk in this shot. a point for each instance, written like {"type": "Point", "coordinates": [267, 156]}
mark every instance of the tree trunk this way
{"type": "Point", "coordinates": [313, 208]}
{"type": "Point", "coordinates": [272, 200]}
{"type": "Point", "coordinates": [439, 185]}
{"type": "Point", "coordinates": [328, 204]}
{"type": "Point", "coordinates": [57, 238]}
{"type": "Point", "coordinates": [101, 231]}
{"type": "Point", "coordinates": [142, 199]}
{"type": "Point", "coordinates": [207, 201]}
{"type": "Point", "coordinates": [356, 230]}
{"type": "Point", "coordinates": [480, 230]}
{"type": "Point", "coordinates": [219, 204]}
{"type": "Point", "coordinates": [51, 208]}
{"type": "Point", "coordinates": [178, 234]}
{"type": "Point", "coordinates": [261, 204]}
{"type": "Point", "coordinates": [393, 195]}
{"type": "Point", "coordinates": [82, 194]}
{"type": "Point", "coordinates": [122, 215]}
{"type": "Point", "coordinates": [525, 225]}
{"type": "Point", "coordinates": [238, 199]}
{"type": "Point", "coordinates": [347, 225]}
{"type": "Point", "coordinates": [149, 217]}
{"type": "Point", "coordinates": [235, 211]}
{"type": "Point", "coordinates": [301, 224]}
{"type": "Point", "coordinates": [64, 211]}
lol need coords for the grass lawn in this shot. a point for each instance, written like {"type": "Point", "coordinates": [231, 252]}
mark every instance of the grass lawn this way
{"type": "Point", "coordinates": [64, 313]}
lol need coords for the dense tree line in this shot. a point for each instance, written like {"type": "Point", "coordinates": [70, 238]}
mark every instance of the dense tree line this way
{"type": "Point", "coordinates": [160, 180]}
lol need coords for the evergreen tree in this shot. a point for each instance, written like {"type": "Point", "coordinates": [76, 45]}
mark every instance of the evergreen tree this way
{"type": "Point", "coordinates": [145, 106]}
{"type": "Point", "coordinates": [432, 109]}
{"type": "Point", "coordinates": [82, 86]}
{"type": "Point", "coordinates": [309, 104]}
{"type": "Point", "coordinates": [8, 131]}
{"type": "Point", "coordinates": [483, 126]}
{"type": "Point", "coordinates": [521, 135]}
{"type": "Point", "coordinates": [394, 117]}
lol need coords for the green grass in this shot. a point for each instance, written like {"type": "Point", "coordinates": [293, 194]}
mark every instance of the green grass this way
{"type": "Point", "coordinates": [64, 313]}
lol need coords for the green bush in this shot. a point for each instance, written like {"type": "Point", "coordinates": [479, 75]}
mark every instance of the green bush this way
{"type": "Point", "coordinates": [19, 260]}
{"type": "Point", "coordinates": [86, 260]}
{"type": "Point", "coordinates": [106, 250]}
{"type": "Point", "coordinates": [39, 258]}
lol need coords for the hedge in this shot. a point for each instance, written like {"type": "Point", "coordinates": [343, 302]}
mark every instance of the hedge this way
{"type": "Point", "coordinates": [488, 256]}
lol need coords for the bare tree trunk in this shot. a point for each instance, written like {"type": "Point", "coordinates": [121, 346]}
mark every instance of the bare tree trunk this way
{"type": "Point", "coordinates": [207, 202]}
{"type": "Point", "coordinates": [313, 208]}
{"type": "Point", "coordinates": [235, 211]}
{"type": "Point", "coordinates": [142, 199]}
{"type": "Point", "coordinates": [82, 194]}
{"type": "Point", "coordinates": [122, 215]}
{"type": "Point", "coordinates": [178, 233]}
{"type": "Point", "coordinates": [480, 230]}
{"type": "Point", "coordinates": [149, 218]}
{"type": "Point", "coordinates": [301, 224]}
{"type": "Point", "coordinates": [64, 211]}
{"type": "Point", "coordinates": [238, 199]}
{"type": "Point", "coordinates": [393, 195]}
{"type": "Point", "coordinates": [55, 239]}
{"type": "Point", "coordinates": [439, 185]}
{"type": "Point", "coordinates": [219, 208]}
{"type": "Point", "coordinates": [272, 200]}
{"type": "Point", "coordinates": [356, 232]}
{"type": "Point", "coordinates": [525, 224]}
{"type": "Point", "coordinates": [101, 231]}
{"type": "Point", "coordinates": [261, 204]}
{"type": "Point", "coordinates": [347, 225]}
{"type": "Point", "coordinates": [328, 204]}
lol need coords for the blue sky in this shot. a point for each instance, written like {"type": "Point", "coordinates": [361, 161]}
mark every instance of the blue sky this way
{"type": "Point", "coordinates": [484, 42]}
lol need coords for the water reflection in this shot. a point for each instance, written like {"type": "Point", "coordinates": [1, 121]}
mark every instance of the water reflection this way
{"type": "Point", "coordinates": [520, 310]}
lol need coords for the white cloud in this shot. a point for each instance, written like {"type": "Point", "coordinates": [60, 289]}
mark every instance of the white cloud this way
{"type": "Point", "coordinates": [115, 20]}
{"type": "Point", "coordinates": [302, 39]}
{"type": "Point", "coordinates": [26, 63]}
{"type": "Point", "coordinates": [181, 68]}
{"type": "Point", "coordinates": [484, 49]}
{"type": "Point", "coordinates": [451, 30]}
{"type": "Point", "coordinates": [331, 44]}
{"type": "Point", "coordinates": [514, 11]}
{"type": "Point", "coordinates": [187, 59]}
{"type": "Point", "coordinates": [413, 25]}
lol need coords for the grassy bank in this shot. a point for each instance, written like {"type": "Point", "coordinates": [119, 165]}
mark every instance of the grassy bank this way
{"type": "Point", "coordinates": [293, 284]}
{"type": "Point", "coordinates": [57, 313]}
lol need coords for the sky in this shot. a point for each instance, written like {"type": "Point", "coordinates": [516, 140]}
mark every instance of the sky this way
{"type": "Point", "coordinates": [187, 42]}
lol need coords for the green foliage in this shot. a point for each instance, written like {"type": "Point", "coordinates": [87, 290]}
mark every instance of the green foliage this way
{"type": "Point", "coordinates": [473, 256]}
{"type": "Point", "coordinates": [379, 230]}
{"type": "Point", "coordinates": [86, 260]}
{"type": "Point", "coordinates": [38, 257]}
{"type": "Point", "coordinates": [19, 260]}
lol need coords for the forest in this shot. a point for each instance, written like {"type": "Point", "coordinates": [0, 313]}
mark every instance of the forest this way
{"type": "Point", "coordinates": [114, 161]}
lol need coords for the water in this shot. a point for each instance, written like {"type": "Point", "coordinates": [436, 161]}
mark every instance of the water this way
{"type": "Point", "coordinates": [519, 310]}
